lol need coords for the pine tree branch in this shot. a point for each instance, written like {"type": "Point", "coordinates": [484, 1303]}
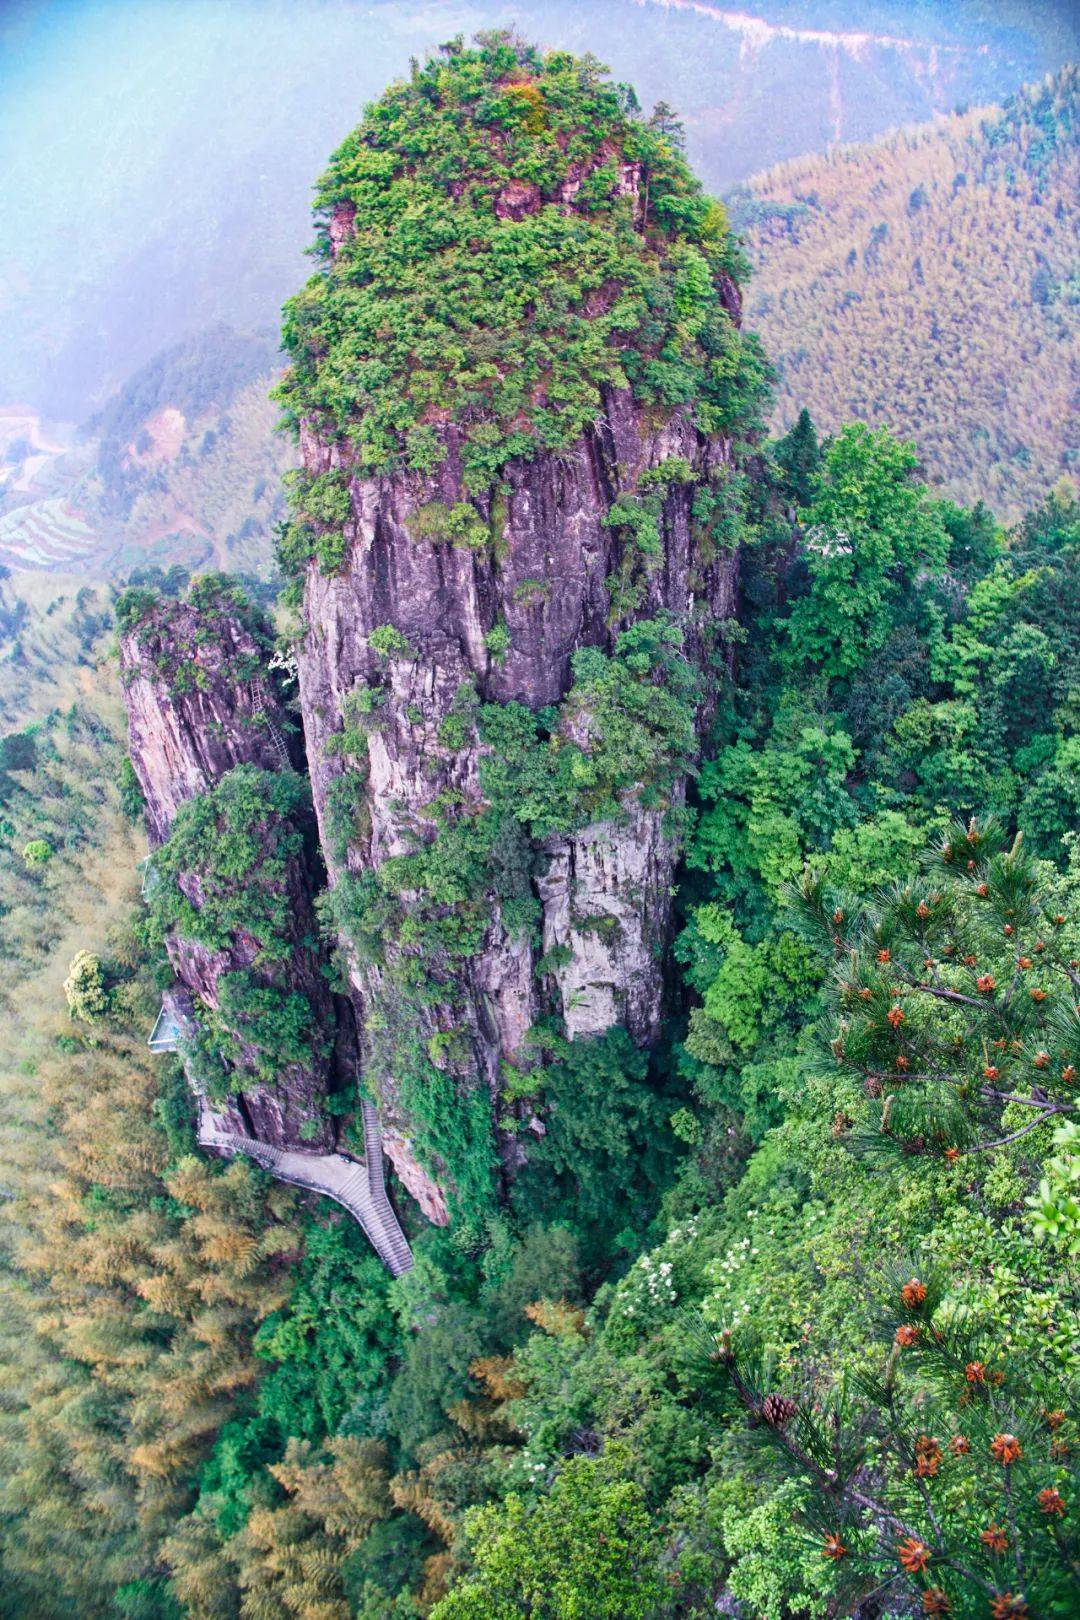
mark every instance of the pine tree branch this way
{"type": "Point", "coordinates": [1003, 1141]}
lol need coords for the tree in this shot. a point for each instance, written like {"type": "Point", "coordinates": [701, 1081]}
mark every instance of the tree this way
{"type": "Point", "coordinates": [84, 987]}
{"type": "Point", "coordinates": [595, 1163]}
{"type": "Point", "coordinates": [956, 998]}
{"type": "Point", "coordinates": [870, 530]}
{"type": "Point", "coordinates": [949, 1474]}
{"type": "Point", "coordinates": [291, 1558]}
{"type": "Point", "coordinates": [586, 1548]}
{"type": "Point", "coordinates": [798, 456]}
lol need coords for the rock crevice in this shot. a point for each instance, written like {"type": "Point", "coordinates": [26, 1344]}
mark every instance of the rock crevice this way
{"type": "Point", "coordinates": [549, 572]}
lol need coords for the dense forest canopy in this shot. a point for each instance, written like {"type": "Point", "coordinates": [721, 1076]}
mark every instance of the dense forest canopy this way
{"type": "Point", "coordinates": [928, 283]}
{"type": "Point", "coordinates": [780, 1317]}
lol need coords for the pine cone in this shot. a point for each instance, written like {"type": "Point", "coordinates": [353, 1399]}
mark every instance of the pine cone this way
{"type": "Point", "coordinates": [778, 1410]}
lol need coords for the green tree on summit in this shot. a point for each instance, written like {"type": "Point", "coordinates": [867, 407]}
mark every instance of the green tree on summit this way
{"type": "Point", "coordinates": [503, 237]}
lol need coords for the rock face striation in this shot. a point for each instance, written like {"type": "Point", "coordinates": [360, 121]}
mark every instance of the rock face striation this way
{"type": "Point", "coordinates": [200, 705]}
{"type": "Point", "coordinates": [198, 700]}
{"type": "Point", "coordinates": [524, 406]}
{"type": "Point", "coordinates": [459, 559]}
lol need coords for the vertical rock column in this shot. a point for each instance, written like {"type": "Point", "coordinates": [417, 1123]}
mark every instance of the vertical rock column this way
{"type": "Point", "coordinates": [520, 389]}
{"type": "Point", "coordinates": [199, 706]}
{"type": "Point", "coordinates": [540, 563]}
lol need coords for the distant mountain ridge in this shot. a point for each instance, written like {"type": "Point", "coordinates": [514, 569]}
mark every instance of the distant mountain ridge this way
{"type": "Point", "coordinates": [930, 282]}
{"type": "Point", "coordinates": [182, 164]}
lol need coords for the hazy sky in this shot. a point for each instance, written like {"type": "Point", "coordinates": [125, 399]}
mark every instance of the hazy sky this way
{"type": "Point", "coordinates": [158, 155]}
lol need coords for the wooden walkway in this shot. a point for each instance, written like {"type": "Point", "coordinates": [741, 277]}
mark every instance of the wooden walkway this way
{"type": "Point", "coordinates": [358, 1187]}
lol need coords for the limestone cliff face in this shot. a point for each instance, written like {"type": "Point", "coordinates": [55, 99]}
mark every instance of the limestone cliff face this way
{"type": "Point", "coordinates": [199, 705]}
{"type": "Point", "coordinates": [522, 399]}
{"type": "Point", "coordinates": [545, 574]}
{"type": "Point", "coordinates": [607, 905]}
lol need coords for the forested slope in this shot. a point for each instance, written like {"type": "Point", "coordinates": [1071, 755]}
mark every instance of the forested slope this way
{"type": "Point", "coordinates": [775, 1308]}
{"type": "Point", "coordinates": [929, 282]}
{"type": "Point", "coordinates": [181, 466]}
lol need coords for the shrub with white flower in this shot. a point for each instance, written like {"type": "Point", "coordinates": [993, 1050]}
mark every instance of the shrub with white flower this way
{"type": "Point", "coordinates": [650, 1287]}
{"type": "Point", "coordinates": [730, 1275]}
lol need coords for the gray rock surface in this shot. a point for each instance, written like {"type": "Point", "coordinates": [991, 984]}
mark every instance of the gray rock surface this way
{"type": "Point", "coordinates": [192, 719]}
{"type": "Point", "coordinates": [543, 572]}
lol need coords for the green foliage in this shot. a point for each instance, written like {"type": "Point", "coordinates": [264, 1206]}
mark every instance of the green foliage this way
{"type": "Point", "coordinates": [134, 606]}
{"type": "Point", "coordinates": [946, 1467]}
{"type": "Point", "coordinates": [773, 804]}
{"type": "Point", "coordinates": [85, 988]}
{"type": "Point", "coordinates": [956, 998]}
{"type": "Point", "coordinates": [175, 635]}
{"type": "Point", "coordinates": [227, 878]}
{"type": "Point", "coordinates": [388, 642]}
{"type": "Point", "coordinates": [132, 802]}
{"type": "Point", "coordinates": [1056, 1203]}
{"type": "Point", "coordinates": [584, 1549]}
{"type": "Point", "coordinates": [347, 814]}
{"type": "Point", "coordinates": [260, 1029]}
{"type": "Point", "coordinates": [457, 525]}
{"type": "Point", "coordinates": [322, 507]}
{"type": "Point", "coordinates": [237, 841]}
{"type": "Point", "coordinates": [626, 727]}
{"type": "Point", "coordinates": [433, 1376]}
{"type": "Point", "coordinates": [462, 286]}
{"type": "Point", "coordinates": [798, 456]}
{"type": "Point", "coordinates": [497, 641]}
{"type": "Point", "coordinates": [605, 1140]}
{"type": "Point", "coordinates": [870, 531]}
{"type": "Point", "coordinates": [331, 1362]}
{"type": "Point", "coordinates": [38, 852]}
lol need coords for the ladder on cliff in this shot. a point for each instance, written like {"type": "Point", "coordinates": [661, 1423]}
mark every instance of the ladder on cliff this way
{"type": "Point", "coordinates": [261, 711]}
{"type": "Point", "coordinates": [357, 1187]}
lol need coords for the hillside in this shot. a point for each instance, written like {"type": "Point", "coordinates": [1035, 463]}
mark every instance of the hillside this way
{"type": "Point", "coordinates": [657, 843]}
{"type": "Point", "coordinates": [930, 282]}
{"type": "Point", "coordinates": [181, 465]}
{"type": "Point", "coordinates": [178, 118]}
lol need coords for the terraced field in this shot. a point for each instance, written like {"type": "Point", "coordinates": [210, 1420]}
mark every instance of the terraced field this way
{"type": "Point", "coordinates": [48, 534]}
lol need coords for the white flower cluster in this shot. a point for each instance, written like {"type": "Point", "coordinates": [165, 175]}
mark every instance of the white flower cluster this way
{"type": "Point", "coordinates": [530, 1470]}
{"type": "Point", "coordinates": [726, 1273]}
{"type": "Point", "coordinates": [647, 1285]}
{"type": "Point", "coordinates": [284, 659]}
{"type": "Point", "coordinates": [687, 1230]}
{"type": "Point", "coordinates": [658, 1280]}
{"type": "Point", "coordinates": [648, 1282]}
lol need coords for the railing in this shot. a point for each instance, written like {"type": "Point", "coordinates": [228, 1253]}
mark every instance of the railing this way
{"type": "Point", "coordinates": [169, 1031]}
{"type": "Point", "coordinates": [373, 1163]}
{"type": "Point", "coordinates": [147, 876]}
{"type": "Point", "coordinates": [356, 1187]}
